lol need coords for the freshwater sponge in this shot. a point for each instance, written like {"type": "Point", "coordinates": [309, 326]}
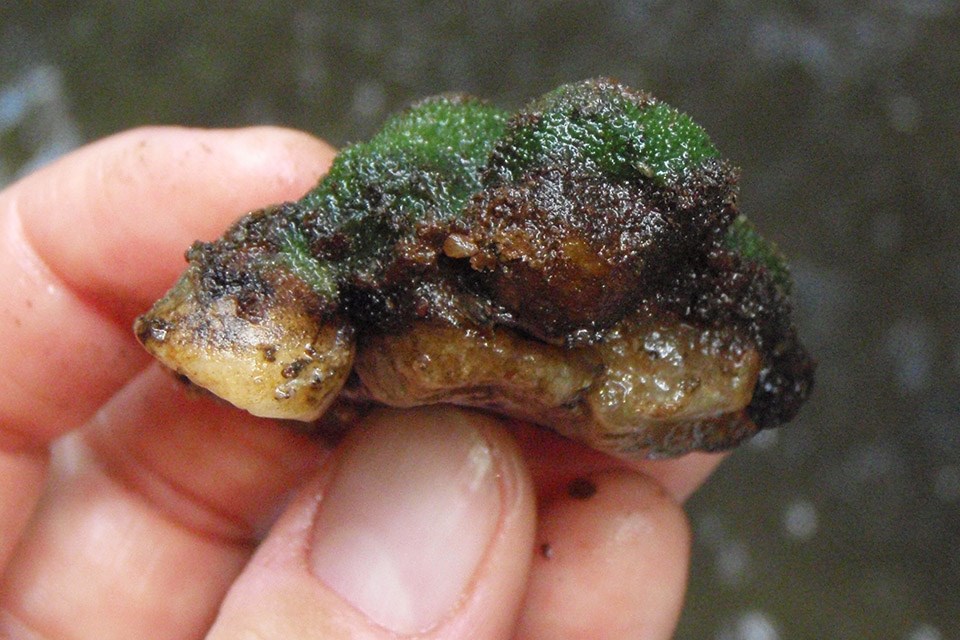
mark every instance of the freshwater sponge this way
{"type": "Point", "coordinates": [581, 264]}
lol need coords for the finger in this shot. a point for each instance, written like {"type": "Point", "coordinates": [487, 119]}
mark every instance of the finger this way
{"type": "Point", "coordinates": [41, 398]}
{"type": "Point", "coordinates": [94, 236]}
{"type": "Point", "coordinates": [134, 202]}
{"type": "Point", "coordinates": [422, 525]}
{"type": "Point", "coordinates": [21, 479]}
{"type": "Point", "coordinates": [612, 562]}
{"type": "Point", "coordinates": [150, 512]}
{"type": "Point", "coordinates": [681, 477]}
{"type": "Point", "coordinates": [90, 241]}
{"type": "Point", "coordinates": [556, 461]}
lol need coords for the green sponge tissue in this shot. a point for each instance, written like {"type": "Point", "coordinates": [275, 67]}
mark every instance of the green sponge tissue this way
{"type": "Point", "coordinates": [582, 264]}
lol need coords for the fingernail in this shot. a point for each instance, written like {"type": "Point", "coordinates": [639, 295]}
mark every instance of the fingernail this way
{"type": "Point", "coordinates": [407, 517]}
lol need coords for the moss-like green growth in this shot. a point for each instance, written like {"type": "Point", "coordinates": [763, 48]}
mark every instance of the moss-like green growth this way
{"type": "Point", "coordinates": [424, 161]}
{"type": "Point", "coordinates": [602, 128]}
{"type": "Point", "coordinates": [423, 165]}
{"type": "Point", "coordinates": [427, 162]}
{"type": "Point", "coordinates": [571, 209]}
{"type": "Point", "coordinates": [743, 238]}
{"type": "Point", "coordinates": [674, 142]}
{"type": "Point", "coordinates": [319, 275]}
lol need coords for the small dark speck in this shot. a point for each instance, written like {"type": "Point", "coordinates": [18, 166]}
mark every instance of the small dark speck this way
{"type": "Point", "coordinates": [270, 353]}
{"type": "Point", "coordinates": [581, 489]}
{"type": "Point", "coordinates": [422, 308]}
{"type": "Point", "coordinates": [155, 329]}
{"type": "Point", "coordinates": [546, 550]}
{"type": "Point", "coordinates": [293, 369]}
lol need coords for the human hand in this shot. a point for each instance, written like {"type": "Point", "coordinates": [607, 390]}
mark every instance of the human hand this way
{"type": "Point", "coordinates": [131, 508]}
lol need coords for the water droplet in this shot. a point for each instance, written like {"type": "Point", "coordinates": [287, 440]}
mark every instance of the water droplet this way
{"type": "Point", "coordinates": [903, 113]}
{"type": "Point", "coordinates": [369, 99]}
{"type": "Point", "coordinates": [751, 625]}
{"type": "Point", "coordinates": [765, 440]}
{"type": "Point", "coordinates": [732, 563]}
{"type": "Point", "coordinates": [924, 631]}
{"type": "Point", "coordinates": [36, 101]}
{"type": "Point", "coordinates": [910, 343]}
{"type": "Point", "coordinates": [800, 519]}
{"type": "Point", "coordinates": [870, 463]}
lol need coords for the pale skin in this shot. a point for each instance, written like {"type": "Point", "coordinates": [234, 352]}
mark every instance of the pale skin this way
{"type": "Point", "coordinates": [133, 508]}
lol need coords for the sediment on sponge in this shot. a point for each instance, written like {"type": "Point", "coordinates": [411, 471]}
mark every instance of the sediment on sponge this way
{"type": "Point", "coordinates": [593, 212]}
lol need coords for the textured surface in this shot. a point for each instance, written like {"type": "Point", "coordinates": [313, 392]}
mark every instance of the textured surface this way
{"type": "Point", "coordinates": [594, 217]}
{"type": "Point", "coordinates": [843, 525]}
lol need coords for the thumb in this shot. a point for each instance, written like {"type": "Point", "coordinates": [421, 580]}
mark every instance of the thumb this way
{"type": "Point", "coordinates": [421, 524]}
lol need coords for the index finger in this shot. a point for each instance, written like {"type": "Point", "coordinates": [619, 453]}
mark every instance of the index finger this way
{"type": "Point", "coordinates": [83, 253]}
{"type": "Point", "coordinates": [92, 240]}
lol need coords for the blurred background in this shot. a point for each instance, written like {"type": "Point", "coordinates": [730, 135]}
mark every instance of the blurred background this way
{"type": "Point", "coordinates": [844, 119]}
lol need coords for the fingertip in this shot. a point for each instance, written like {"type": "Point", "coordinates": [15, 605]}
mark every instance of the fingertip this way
{"type": "Point", "coordinates": [421, 524]}
{"type": "Point", "coordinates": [612, 561]}
{"type": "Point", "coordinates": [134, 201]}
{"type": "Point", "coordinates": [302, 157]}
{"type": "Point", "coordinates": [681, 477]}
{"type": "Point", "coordinates": [93, 239]}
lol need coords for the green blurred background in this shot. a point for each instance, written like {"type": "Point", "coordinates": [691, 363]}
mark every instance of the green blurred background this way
{"type": "Point", "coordinates": [844, 119]}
